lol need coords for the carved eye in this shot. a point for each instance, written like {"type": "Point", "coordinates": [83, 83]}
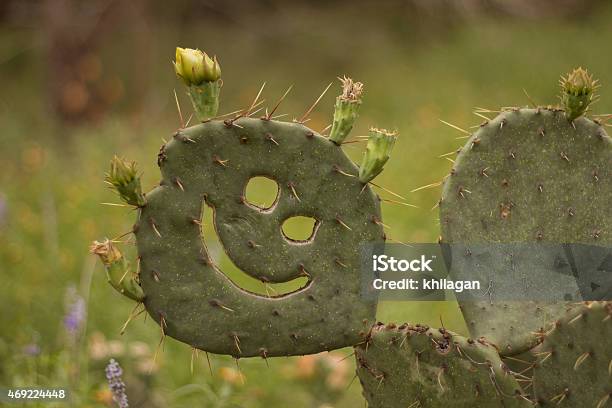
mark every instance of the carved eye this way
{"type": "Point", "coordinates": [300, 229]}
{"type": "Point", "coordinates": [261, 192]}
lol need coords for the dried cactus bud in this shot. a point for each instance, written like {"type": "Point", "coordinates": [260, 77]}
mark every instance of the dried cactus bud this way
{"type": "Point", "coordinates": [351, 91]}
{"type": "Point", "coordinates": [117, 269]}
{"type": "Point", "coordinates": [346, 110]}
{"type": "Point", "coordinates": [379, 147]}
{"type": "Point", "coordinates": [578, 91]}
{"type": "Point", "coordinates": [107, 252]}
{"type": "Point", "coordinates": [124, 178]}
{"type": "Point", "coordinates": [195, 67]}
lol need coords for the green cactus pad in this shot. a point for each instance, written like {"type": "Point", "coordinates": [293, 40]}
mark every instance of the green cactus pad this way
{"type": "Point", "coordinates": [414, 366]}
{"type": "Point", "coordinates": [195, 303]}
{"type": "Point", "coordinates": [574, 362]}
{"type": "Point", "coordinates": [527, 175]}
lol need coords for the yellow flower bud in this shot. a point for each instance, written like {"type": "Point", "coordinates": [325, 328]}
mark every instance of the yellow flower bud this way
{"type": "Point", "coordinates": [195, 67]}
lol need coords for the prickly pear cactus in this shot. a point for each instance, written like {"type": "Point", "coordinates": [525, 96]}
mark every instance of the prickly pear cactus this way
{"type": "Point", "coordinates": [573, 365]}
{"type": "Point", "coordinates": [415, 366]}
{"type": "Point", "coordinates": [530, 175]}
{"type": "Point", "coordinates": [210, 164]}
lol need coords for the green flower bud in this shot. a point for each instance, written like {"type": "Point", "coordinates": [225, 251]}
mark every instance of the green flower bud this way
{"type": "Point", "coordinates": [123, 177]}
{"type": "Point", "coordinates": [578, 91]}
{"type": "Point", "coordinates": [346, 110]}
{"type": "Point", "coordinates": [379, 147]}
{"type": "Point", "coordinates": [117, 270]}
{"type": "Point", "coordinates": [195, 67]}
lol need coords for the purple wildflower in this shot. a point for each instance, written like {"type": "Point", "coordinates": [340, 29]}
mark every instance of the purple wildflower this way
{"type": "Point", "coordinates": [75, 312]}
{"type": "Point", "coordinates": [116, 384]}
{"type": "Point", "coordinates": [75, 316]}
{"type": "Point", "coordinates": [31, 349]}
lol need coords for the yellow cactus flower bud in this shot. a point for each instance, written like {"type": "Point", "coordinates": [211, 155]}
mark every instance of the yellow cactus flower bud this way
{"type": "Point", "coordinates": [195, 67]}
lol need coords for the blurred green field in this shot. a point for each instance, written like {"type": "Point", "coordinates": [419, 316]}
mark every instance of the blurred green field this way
{"type": "Point", "coordinates": [51, 179]}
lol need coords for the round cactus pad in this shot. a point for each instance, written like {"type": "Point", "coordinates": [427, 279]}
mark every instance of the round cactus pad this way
{"type": "Point", "coordinates": [528, 175]}
{"type": "Point", "coordinates": [194, 302]}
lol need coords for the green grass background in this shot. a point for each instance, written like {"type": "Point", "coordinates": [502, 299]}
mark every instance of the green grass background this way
{"type": "Point", "coordinates": [51, 175]}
